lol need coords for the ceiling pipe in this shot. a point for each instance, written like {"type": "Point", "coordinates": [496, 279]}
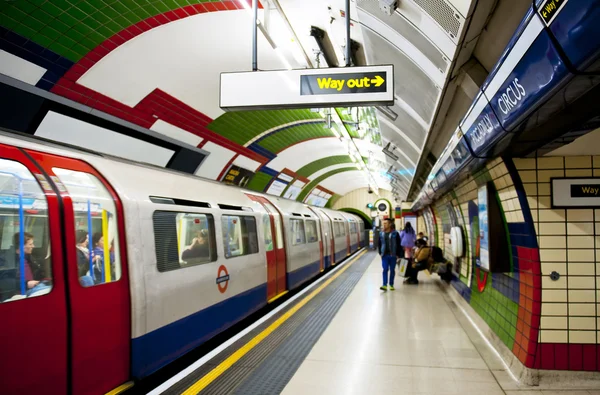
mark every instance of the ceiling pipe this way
{"type": "Point", "coordinates": [348, 42]}
{"type": "Point", "coordinates": [254, 35]}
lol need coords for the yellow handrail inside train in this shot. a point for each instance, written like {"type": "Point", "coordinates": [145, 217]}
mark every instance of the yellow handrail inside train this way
{"type": "Point", "coordinates": [107, 274]}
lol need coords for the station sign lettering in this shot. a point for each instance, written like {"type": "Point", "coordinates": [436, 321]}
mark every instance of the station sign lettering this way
{"type": "Point", "coordinates": [349, 83]}
{"type": "Point", "coordinates": [550, 8]}
{"type": "Point", "coordinates": [585, 190]}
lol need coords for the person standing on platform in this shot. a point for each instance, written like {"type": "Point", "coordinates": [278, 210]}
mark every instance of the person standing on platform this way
{"type": "Point", "coordinates": [390, 250]}
{"type": "Point", "coordinates": [408, 238]}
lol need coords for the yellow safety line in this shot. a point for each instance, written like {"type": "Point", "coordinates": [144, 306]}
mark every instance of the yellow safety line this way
{"type": "Point", "coordinates": [121, 388]}
{"type": "Point", "coordinates": [106, 246]}
{"type": "Point", "coordinates": [277, 297]}
{"type": "Point", "coordinates": [236, 356]}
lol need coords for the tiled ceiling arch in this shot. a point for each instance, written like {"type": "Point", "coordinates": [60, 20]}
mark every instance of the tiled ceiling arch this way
{"type": "Point", "coordinates": [109, 55]}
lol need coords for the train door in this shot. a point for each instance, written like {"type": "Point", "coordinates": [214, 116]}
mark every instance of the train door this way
{"type": "Point", "coordinates": [96, 275]}
{"type": "Point", "coordinates": [32, 290]}
{"type": "Point", "coordinates": [348, 242]}
{"type": "Point", "coordinates": [321, 236]}
{"type": "Point", "coordinates": [276, 258]}
{"type": "Point", "coordinates": [330, 231]}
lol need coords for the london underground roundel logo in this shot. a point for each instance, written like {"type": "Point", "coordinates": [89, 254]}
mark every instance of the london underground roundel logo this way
{"type": "Point", "coordinates": [222, 279]}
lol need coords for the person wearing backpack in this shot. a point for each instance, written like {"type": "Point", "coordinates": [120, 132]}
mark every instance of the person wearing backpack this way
{"type": "Point", "coordinates": [390, 250]}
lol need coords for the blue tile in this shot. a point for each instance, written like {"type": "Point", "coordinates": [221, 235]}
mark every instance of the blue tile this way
{"type": "Point", "coordinates": [262, 151]}
{"type": "Point", "coordinates": [269, 171]}
{"type": "Point", "coordinates": [15, 38]}
{"type": "Point", "coordinates": [33, 47]}
{"type": "Point", "coordinates": [44, 84]}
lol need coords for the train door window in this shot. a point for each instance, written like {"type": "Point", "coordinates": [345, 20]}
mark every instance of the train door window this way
{"type": "Point", "coordinates": [25, 266]}
{"type": "Point", "coordinates": [96, 231]}
{"type": "Point", "coordinates": [311, 231]}
{"type": "Point", "coordinates": [239, 235]}
{"type": "Point", "coordinates": [268, 233]}
{"type": "Point", "coordinates": [352, 227]}
{"type": "Point", "coordinates": [340, 231]}
{"type": "Point", "coordinates": [298, 235]}
{"type": "Point", "coordinates": [183, 240]}
{"type": "Point", "coordinates": [278, 225]}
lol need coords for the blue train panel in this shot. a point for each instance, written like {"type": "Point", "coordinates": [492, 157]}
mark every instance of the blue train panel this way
{"type": "Point", "coordinates": [163, 345]}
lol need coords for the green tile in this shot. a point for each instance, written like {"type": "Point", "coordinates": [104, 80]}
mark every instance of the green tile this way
{"type": "Point", "coordinates": [88, 7]}
{"type": "Point", "coordinates": [92, 22]}
{"type": "Point", "coordinates": [151, 9]}
{"type": "Point", "coordinates": [76, 14]}
{"type": "Point", "coordinates": [119, 8]}
{"type": "Point", "coordinates": [26, 6]}
{"type": "Point", "coordinates": [58, 48]}
{"type": "Point", "coordinates": [86, 43]}
{"type": "Point", "coordinates": [171, 4]}
{"type": "Point", "coordinates": [104, 31]}
{"type": "Point", "coordinates": [121, 22]}
{"type": "Point", "coordinates": [160, 6]}
{"type": "Point", "coordinates": [110, 12]}
{"type": "Point", "coordinates": [24, 30]}
{"type": "Point", "coordinates": [15, 13]}
{"type": "Point", "coordinates": [113, 27]}
{"type": "Point", "coordinates": [72, 55]}
{"type": "Point", "coordinates": [142, 13]}
{"type": "Point", "coordinates": [62, 5]}
{"type": "Point", "coordinates": [66, 41]}
{"type": "Point", "coordinates": [68, 19]}
{"type": "Point", "coordinates": [259, 181]}
{"type": "Point", "coordinates": [81, 50]}
{"type": "Point", "coordinates": [51, 9]}
{"type": "Point", "coordinates": [82, 28]}
{"type": "Point", "coordinates": [42, 40]}
{"type": "Point", "coordinates": [59, 26]}
{"type": "Point", "coordinates": [7, 22]}
{"type": "Point", "coordinates": [50, 33]}
{"type": "Point", "coordinates": [42, 16]}
{"type": "Point", "coordinates": [95, 38]}
{"type": "Point", "coordinates": [131, 18]}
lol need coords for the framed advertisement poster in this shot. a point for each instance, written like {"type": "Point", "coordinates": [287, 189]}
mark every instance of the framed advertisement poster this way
{"type": "Point", "coordinates": [483, 262]}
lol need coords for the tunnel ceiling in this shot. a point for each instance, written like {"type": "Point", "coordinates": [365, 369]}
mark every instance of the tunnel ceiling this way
{"type": "Point", "coordinates": [156, 63]}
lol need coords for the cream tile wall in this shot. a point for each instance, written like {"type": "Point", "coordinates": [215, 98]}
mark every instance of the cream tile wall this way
{"type": "Point", "coordinates": [569, 241]}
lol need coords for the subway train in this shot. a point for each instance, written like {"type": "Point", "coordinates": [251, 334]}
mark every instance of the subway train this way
{"type": "Point", "coordinates": [111, 269]}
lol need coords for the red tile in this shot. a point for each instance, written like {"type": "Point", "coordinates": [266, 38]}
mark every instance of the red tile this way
{"type": "Point", "coordinates": [181, 13]}
{"type": "Point", "coordinates": [152, 22]}
{"type": "Point", "coordinates": [561, 356]}
{"type": "Point", "coordinates": [230, 5]}
{"type": "Point", "coordinates": [547, 356]}
{"type": "Point", "coordinates": [530, 362]}
{"type": "Point", "coordinates": [538, 358]}
{"type": "Point", "coordinates": [117, 39]}
{"type": "Point", "coordinates": [171, 15]}
{"type": "Point", "coordinates": [575, 357]}
{"type": "Point", "coordinates": [161, 19]}
{"type": "Point", "coordinates": [126, 35]}
{"type": "Point", "coordinates": [200, 9]}
{"type": "Point", "coordinates": [190, 10]}
{"type": "Point", "coordinates": [589, 357]}
{"type": "Point", "coordinates": [219, 6]}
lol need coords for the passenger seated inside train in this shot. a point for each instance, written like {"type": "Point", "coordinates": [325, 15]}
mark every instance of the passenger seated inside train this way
{"type": "Point", "coordinates": [98, 257]}
{"type": "Point", "coordinates": [199, 249]}
{"type": "Point", "coordinates": [83, 258]}
{"type": "Point", "coordinates": [10, 278]}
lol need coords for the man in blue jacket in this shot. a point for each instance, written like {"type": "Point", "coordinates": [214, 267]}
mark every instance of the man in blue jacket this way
{"type": "Point", "coordinates": [389, 249]}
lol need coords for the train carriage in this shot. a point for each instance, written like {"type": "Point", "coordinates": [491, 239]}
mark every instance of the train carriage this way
{"type": "Point", "coordinates": [125, 267]}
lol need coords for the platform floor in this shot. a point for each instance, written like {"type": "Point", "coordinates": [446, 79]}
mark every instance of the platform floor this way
{"type": "Point", "coordinates": [407, 341]}
{"type": "Point", "coordinates": [346, 336]}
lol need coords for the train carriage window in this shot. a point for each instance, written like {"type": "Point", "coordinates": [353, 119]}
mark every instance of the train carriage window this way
{"type": "Point", "coordinates": [268, 233]}
{"type": "Point", "coordinates": [353, 227]}
{"type": "Point", "coordinates": [239, 235]}
{"type": "Point", "coordinates": [311, 231]}
{"type": "Point", "coordinates": [183, 240]}
{"type": "Point", "coordinates": [25, 266]}
{"type": "Point", "coordinates": [96, 232]}
{"type": "Point", "coordinates": [298, 236]}
{"type": "Point", "coordinates": [340, 229]}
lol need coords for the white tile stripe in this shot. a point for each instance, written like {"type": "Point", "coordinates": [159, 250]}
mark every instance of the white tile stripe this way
{"type": "Point", "coordinates": [267, 132]}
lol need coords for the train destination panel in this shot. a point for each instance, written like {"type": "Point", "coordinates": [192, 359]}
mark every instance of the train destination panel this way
{"type": "Point", "coordinates": [348, 86]}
